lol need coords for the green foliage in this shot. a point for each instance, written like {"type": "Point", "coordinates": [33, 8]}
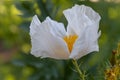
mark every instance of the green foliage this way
{"type": "Point", "coordinates": [15, 40]}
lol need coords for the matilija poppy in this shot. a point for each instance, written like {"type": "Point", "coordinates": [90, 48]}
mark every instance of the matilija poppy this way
{"type": "Point", "coordinates": [50, 39]}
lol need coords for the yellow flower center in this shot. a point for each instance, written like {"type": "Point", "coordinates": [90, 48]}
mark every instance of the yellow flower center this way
{"type": "Point", "coordinates": [70, 40]}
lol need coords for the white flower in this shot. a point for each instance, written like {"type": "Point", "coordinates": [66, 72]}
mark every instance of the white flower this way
{"type": "Point", "coordinates": [50, 39]}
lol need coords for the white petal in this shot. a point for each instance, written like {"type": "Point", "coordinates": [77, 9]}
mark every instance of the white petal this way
{"type": "Point", "coordinates": [57, 29]}
{"type": "Point", "coordinates": [34, 25]}
{"type": "Point", "coordinates": [45, 44]}
{"type": "Point", "coordinates": [79, 17]}
{"type": "Point", "coordinates": [87, 41]}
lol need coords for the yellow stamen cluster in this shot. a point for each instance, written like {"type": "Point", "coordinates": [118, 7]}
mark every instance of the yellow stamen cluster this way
{"type": "Point", "coordinates": [70, 40]}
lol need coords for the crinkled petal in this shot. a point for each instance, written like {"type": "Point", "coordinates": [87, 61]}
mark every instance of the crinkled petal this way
{"type": "Point", "coordinates": [85, 24]}
{"type": "Point", "coordinates": [44, 43]}
{"type": "Point", "coordinates": [36, 23]}
{"type": "Point", "coordinates": [87, 41]}
{"type": "Point", "coordinates": [79, 17]}
{"type": "Point", "coordinates": [57, 29]}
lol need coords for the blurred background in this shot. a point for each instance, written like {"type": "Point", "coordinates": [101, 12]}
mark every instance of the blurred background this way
{"type": "Point", "coordinates": [16, 62]}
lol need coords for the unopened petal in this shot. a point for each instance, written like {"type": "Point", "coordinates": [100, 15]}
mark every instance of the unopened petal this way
{"type": "Point", "coordinates": [45, 44]}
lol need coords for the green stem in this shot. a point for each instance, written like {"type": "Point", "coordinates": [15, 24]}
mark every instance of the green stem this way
{"type": "Point", "coordinates": [82, 76]}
